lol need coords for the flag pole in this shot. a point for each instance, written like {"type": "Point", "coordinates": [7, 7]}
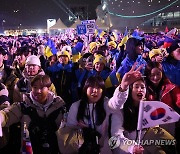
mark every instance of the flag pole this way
{"type": "Point", "coordinates": [139, 137]}
{"type": "Point", "coordinates": [1, 132]}
{"type": "Point", "coordinates": [140, 118]}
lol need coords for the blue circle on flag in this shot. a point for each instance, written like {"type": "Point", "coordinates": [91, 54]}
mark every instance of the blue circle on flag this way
{"type": "Point", "coordinates": [158, 114]}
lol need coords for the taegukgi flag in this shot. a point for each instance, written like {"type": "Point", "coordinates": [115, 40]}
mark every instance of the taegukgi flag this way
{"type": "Point", "coordinates": [153, 113]}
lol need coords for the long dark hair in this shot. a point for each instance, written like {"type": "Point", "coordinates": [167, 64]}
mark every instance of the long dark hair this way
{"type": "Point", "coordinates": [130, 112]}
{"type": "Point", "coordinates": [147, 73]}
{"type": "Point", "coordinates": [99, 108]}
{"type": "Point", "coordinates": [131, 45]}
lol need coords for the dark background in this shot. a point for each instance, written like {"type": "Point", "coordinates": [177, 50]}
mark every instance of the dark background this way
{"type": "Point", "coordinates": [34, 13]}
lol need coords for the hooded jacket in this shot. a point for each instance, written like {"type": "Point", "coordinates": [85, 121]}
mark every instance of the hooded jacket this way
{"type": "Point", "coordinates": [127, 63]}
{"type": "Point", "coordinates": [19, 112]}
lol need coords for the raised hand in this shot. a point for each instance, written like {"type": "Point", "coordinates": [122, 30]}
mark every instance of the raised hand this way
{"type": "Point", "coordinates": [131, 76]}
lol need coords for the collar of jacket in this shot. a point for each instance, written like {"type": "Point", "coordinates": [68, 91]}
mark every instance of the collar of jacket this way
{"type": "Point", "coordinates": [65, 67]}
{"type": "Point", "coordinates": [27, 77]}
{"type": "Point", "coordinates": [51, 100]}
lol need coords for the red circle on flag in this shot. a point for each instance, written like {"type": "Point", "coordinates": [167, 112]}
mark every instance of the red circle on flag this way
{"type": "Point", "coordinates": [158, 114]}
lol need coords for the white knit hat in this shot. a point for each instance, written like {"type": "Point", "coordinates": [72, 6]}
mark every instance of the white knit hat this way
{"type": "Point", "coordinates": [33, 60]}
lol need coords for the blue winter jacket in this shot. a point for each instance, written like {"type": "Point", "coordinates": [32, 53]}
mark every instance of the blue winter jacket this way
{"type": "Point", "coordinates": [64, 79]}
{"type": "Point", "coordinates": [127, 63]}
{"type": "Point", "coordinates": [172, 71]}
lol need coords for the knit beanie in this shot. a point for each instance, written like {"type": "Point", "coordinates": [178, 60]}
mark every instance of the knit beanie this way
{"type": "Point", "coordinates": [99, 58]}
{"type": "Point", "coordinates": [63, 53]}
{"type": "Point", "coordinates": [33, 60]}
{"type": "Point", "coordinates": [154, 52]}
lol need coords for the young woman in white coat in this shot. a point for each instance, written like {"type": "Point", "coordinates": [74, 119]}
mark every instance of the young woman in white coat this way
{"type": "Point", "coordinates": [91, 113]}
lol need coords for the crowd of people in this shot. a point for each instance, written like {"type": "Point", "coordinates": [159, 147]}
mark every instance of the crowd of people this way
{"type": "Point", "coordinates": [76, 92]}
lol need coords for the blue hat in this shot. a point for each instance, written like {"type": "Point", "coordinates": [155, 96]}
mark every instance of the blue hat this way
{"type": "Point", "coordinates": [160, 43]}
{"type": "Point", "coordinates": [79, 46]}
{"type": "Point", "coordinates": [136, 35]}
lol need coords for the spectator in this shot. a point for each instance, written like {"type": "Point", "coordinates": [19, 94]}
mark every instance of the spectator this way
{"type": "Point", "coordinates": [42, 111]}
{"type": "Point", "coordinates": [63, 77]}
{"type": "Point", "coordinates": [92, 111]}
{"type": "Point", "coordinates": [124, 125]}
{"type": "Point", "coordinates": [171, 65]}
{"type": "Point", "coordinates": [7, 76]}
{"type": "Point", "coordinates": [32, 68]}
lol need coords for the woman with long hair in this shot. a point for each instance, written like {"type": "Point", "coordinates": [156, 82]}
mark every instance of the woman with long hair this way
{"type": "Point", "coordinates": [160, 88]}
{"type": "Point", "coordinates": [134, 50]}
{"type": "Point", "coordinates": [89, 114]}
{"type": "Point", "coordinates": [92, 111]}
{"type": "Point", "coordinates": [124, 126]}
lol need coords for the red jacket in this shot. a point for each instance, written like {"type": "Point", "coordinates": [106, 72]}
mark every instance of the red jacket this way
{"type": "Point", "coordinates": [169, 94]}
